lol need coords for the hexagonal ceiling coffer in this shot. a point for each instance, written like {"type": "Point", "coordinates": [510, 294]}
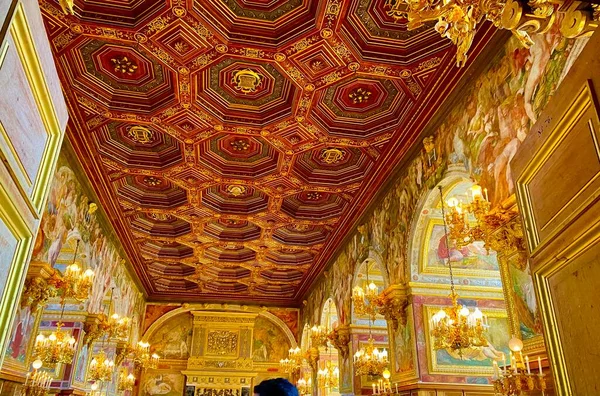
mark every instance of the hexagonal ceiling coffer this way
{"type": "Point", "coordinates": [313, 205]}
{"type": "Point", "coordinates": [230, 254]}
{"type": "Point", "coordinates": [246, 92]}
{"type": "Point", "coordinates": [231, 230]}
{"type": "Point", "coordinates": [290, 256]}
{"type": "Point", "coordinates": [125, 13]}
{"type": "Point", "coordinates": [269, 23]}
{"type": "Point", "coordinates": [165, 250]}
{"type": "Point", "coordinates": [227, 273]}
{"type": "Point", "coordinates": [235, 199]}
{"type": "Point", "coordinates": [150, 191]}
{"type": "Point", "coordinates": [282, 275]}
{"type": "Point", "coordinates": [332, 166]}
{"type": "Point", "coordinates": [225, 287]}
{"type": "Point", "coordinates": [170, 269]}
{"type": "Point", "coordinates": [301, 234]}
{"type": "Point", "coordinates": [160, 224]}
{"type": "Point", "coordinates": [174, 285]}
{"type": "Point", "coordinates": [134, 145]}
{"type": "Point", "coordinates": [120, 76]}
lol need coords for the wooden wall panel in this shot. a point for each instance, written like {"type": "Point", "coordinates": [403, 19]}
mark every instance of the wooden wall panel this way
{"type": "Point", "coordinates": [557, 172]}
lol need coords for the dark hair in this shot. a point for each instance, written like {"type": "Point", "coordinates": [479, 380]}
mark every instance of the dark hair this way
{"type": "Point", "coordinates": [276, 387]}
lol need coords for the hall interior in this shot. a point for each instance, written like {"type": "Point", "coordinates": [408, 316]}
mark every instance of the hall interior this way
{"type": "Point", "coordinates": [366, 197]}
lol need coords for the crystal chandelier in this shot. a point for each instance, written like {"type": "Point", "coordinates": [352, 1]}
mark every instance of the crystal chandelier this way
{"type": "Point", "coordinates": [518, 378]}
{"type": "Point", "coordinates": [457, 20]}
{"type": "Point", "coordinates": [126, 381]}
{"type": "Point", "coordinates": [456, 327]}
{"type": "Point", "coordinates": [101, 368]}
{"type": "Point", "coordinates": [329, 376]}
{"type": "Point", "coordinates": [37, 383]}
{"type": "Point", "coordinates": [370, 360]}
{"type": "Point", "coordinates": [366, 299]}
{"type": "Point", "coordinates": [58, 347]}
{"type": "Point", "coordinates": [74, 283]}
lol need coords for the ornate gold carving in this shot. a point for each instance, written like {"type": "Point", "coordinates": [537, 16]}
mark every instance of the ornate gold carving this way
{"type": "Point", "coordinates": [313, 195]}
{"type": "Point", "coordinates": [39, 286]}
{"type": "Point", "coordinates": [95, 326]}
{"type": "Point", "coordinates": [505, 235]}
{"type": "Point", "coordinates": [196, 363]}
{"type": "Point", "coordinates": [152, 181]}
{"type": "Point", "coordinates": [580, 22]}
{"type": "Point", "coordinates": [392, 303]}
{"type": "Point", "coordinates": [332, 155]}
{"type": "Point", "coordinates": [160, 216]}
{"type": "Point", "coordinates": [124, 65]}
{"type": "Point", "coordinates": [246, 80]}
{"type": "Point", "coordinates": [236, 190]}
{"type": "Point", "coordinates": [340, 338]}
{"type": "Point", "coordinates": [240, 145]}
{"type": "Point", "coordinates": [141, 134]}
{"type": "Point", "coordinates": [222, 342]}
{"type": "Point", "coordinates": [359, 95]}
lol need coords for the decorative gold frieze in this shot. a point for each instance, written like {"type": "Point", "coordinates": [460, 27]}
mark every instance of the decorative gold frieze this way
{"type": "Point", "coordinates": [222, 342]}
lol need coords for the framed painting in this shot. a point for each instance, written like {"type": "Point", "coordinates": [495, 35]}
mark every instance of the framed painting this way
{"type": "Point", "coordinates": [473, 361]}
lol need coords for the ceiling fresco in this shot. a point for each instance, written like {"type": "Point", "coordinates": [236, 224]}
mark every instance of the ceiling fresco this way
{"type": "Point", "coordinates": [233, 143]}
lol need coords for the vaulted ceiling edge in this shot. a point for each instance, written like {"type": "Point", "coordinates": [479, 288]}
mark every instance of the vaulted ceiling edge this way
{"type": "Point", "coordinates": [233, 143]}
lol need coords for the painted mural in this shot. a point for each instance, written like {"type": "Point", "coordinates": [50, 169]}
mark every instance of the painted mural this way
{"type": "Point", "coordinates": [270, 344]}
{"type": "Point", "coordinates": [71, 214]}
{"type": "Point", "coordinates": [290, 318]}
{"type": "Point", "coordinates": [155, 311]}
{"type": "Point", "coordinates": [481, 133]}
{"type": "Point", "coordinates": [524, 300]}
{"type": "Point", "coordinates": [164, 383]}
{"type": "Point", "coordinates": [22, 336]}
{"type": "Point", "coordinates": [174, 338]}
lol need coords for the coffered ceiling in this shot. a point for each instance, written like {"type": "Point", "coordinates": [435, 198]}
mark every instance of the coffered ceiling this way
{"type": "Point", "coordinates": [233, 143]}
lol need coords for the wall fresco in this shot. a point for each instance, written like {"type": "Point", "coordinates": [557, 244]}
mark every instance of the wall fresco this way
{"type": "Point", "coordinates": [270, 344]}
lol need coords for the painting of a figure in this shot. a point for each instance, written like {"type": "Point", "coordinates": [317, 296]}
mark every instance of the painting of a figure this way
{"type": "Point", "coordinates": [474, 256]}
{"type": "Point", "coordinates": [8, 247]}
{"type": "Point", "coordinates": [81, 364]}
{"type": "Point", "coordinates": [405, 347]}
{"type": "Point", "coordinates": [21, 335]}
{"type": "Point", "coordinates": [525, 302]}
{"type": "Point", "coordinates": [173, 338]}
{"type": "Point", "coordinates": [270, 344]}
{"type": "Point", "coordinates": [476, 361]}
{"type": "Point", "coordinates": [157, 382]}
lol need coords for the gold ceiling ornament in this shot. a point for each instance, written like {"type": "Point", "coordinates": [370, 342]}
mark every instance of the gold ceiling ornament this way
{"type": "Point", "coordinates": [141, 134]}
{"type": "Point", "coordinates": [101, 368]}
{"type": "Point", "coordinates": [124, 65]}
{"type": "Point", "coordinates": [457, 19]}
{"type": "Point", "coordinates": [160, 216]}
{"type": "Point", "coordinates": [126, 381]}
{"type": "Point", "coordinates": [332, 155]}
{"type": "Point", "coordinates": [37, 383]}
{"type": "Point", "coordinates": [360, 95]}
{"type": "Point", "coordinates": [370, 360]}
{"type": "Point", "coordinates": [152, 181]}
{"type": "Point", "coordinates": [246, 80]}
{"type": "Point", "coordinates": [240, 145]}
{"type": "Point", "coordinates": [517, 378]}
{"type": "Point", "coordinates": [236, 190]}
{"type": "Point", "coordinates": [455, 327]}
{"type": "Point", "coordinates": [314, 195]}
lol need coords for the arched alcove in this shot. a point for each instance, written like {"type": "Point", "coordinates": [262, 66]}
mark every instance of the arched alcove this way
{"type": "Point", "coordinates": [329, 358]}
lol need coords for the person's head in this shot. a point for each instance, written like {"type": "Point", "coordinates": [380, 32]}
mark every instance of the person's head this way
{"type": "Point", "coordinates": [275, 387]}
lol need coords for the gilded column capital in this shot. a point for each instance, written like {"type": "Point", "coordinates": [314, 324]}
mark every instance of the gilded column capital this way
{"type": "Point", "coordinates": [392, 304]}
{"type": "Point", "coordinates": [39, 285]}
{"type": "Point", "coordinates": [505, 234]}
{"type": "Point", "coordinates": [94, 327]}
{"type": "Point", "coordinates": [340, 338]}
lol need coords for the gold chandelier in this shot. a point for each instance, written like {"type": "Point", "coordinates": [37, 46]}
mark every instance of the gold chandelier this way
{"type": "Point", "coordinates": [37, 383]}
{"type": "Point", "coordinates": [461, 232]}
{"type": "Point", "coordinates": [366, 299]}
{"type": "Point", "coordinates": [457, 20]}
{"type": "Point", "coordinates": [370, 360]}
{"type": "Point", "coordinates": [293, 363]}
{"type": "Point", "coordinates": [142, 356]}
{"type": "Point", "coordinates": [126, 381]}
{"type": "Point", "coordinates": [304, 385]}
{"type": "Point", "coordinates": [456, 327]}
{"type": "Point", "coordinates": [117, 326]}
{"type": "Point", "coordinates": [518, 378]}
{"type": "Point", "coordinates": [101, 368]}
{"type": "Point", "coordinates": [58, 347]}
{"type": "Point", "coordinates": [329, 376]}
{"type": "Point", "coordinates": [75, 283]}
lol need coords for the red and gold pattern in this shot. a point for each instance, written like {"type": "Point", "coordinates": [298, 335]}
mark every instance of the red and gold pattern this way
{"type": "Point", "coordinates": [234, 142]}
